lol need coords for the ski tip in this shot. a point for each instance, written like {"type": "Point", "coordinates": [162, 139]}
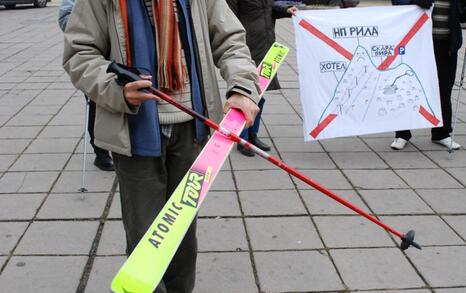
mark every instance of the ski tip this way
{"type": "Point", "coordinates": [408, 240]}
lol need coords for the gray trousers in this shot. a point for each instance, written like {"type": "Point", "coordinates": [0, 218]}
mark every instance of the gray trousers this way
{"type": "Point", "coordinates": [146, 183]}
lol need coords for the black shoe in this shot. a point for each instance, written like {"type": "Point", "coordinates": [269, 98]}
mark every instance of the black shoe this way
{"type": "Point", "coordinates": [103, 161]}
{"type": "Point", "coordinates": [245, 151]}
{"type": "Point", "coordinates": [258, 143]}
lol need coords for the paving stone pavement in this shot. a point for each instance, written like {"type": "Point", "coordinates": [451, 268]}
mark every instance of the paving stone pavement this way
{"type": "Point", "coordinates": [259, 230]}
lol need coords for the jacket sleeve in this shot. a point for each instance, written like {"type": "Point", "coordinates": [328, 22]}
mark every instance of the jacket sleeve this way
{"type": "Point", "coordinates": [230, 52]}
{"type": "Point", "coordinates": [86, 53]}
{"type": "Point", "coordinates": [279, 11]}
{"type": "Point", "coordinates": [64, 12]}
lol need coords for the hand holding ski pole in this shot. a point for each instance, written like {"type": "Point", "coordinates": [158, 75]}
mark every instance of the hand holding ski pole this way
{"type": "Point", "coordinates": [133, 91]}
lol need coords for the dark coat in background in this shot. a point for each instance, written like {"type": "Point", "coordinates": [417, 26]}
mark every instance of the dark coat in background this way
{"type": "Point", "coordinates": [457, 16]}
{"type": "Point", "coordinates": [258, 18]}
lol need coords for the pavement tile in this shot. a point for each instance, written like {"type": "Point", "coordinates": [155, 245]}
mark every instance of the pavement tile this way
{"type": "Point", "coordinates": [308, 160]}
{"type": "Point", "coordinates": [76, 163]}
{"type": "Point", "coordinates": [278, 109]}
{"type": "Point", "coordinates": [458, 223]}
{"type": "Point", "coordinates": [6, 161]}
{"type": "Point", "coordinates": [27, 182]}
{"type": "Point", "coordinates": [63, 119]}
{"type": "Point", "coordinates": [358, 160]}
{"type": "Point", "coordinates": [376, 268]}
{"type": "Point", "coordinates": [291, 271]}
{"type": "Point", "coordinates": [281, 131]}
{"type": "Point", "coordinates": [4, 118]}
{"type": "Point", "coordinates": [19, 206]}
{"type": "Point", "coordinates": [96, 181]}
{"type": "Point", "coordinates": [263, 180]}
{"type": "Point", "coordinates": [53, 96]}
{"type": "Point", "coordinates": [443, 159]}
{"type": "Point", "coordinates": [282, 233]}
{"type": "Point", "coordinates": [40, 162]}
{"type": "Point", "coordinates": [15, 132]}
{"type": "Point", "coordinates": [113, 239]}
{"type": "Point", "coordinates": [395, 201]}
{"type": "Point", "coordinates": [115, 208]}
{"type": "Point", "coordinates": [51, 274]}
{"type": "Point", "coordinates": [445, 201]}
{"type": "Point", "coordinates": [272, 202]}
{"type": "Point", "coordinates": [387, 135]}
{"type": "Point", "coordinates": [332, 179]}
{"type": "Point", "coordinates": [241, 162]}
{"type": "Point", "coordinates": [379, 179]}
{"type": "Point", "coordinates": [29, 120]}
{"type": "Point", "coordinates": [220, 204]}
{"type": "Point", "coordinates": [430, 230]}
{"type": "Point", "coordinates": [406, 160]}
{"type": "Point", "coordinates": [428, 178]}
{"type": "Point", "coordinates": [353, 144]}
{"type": "Point", "coordinates": [351, 231]}
{"type": "Point", "coordinates": [281, 119]}
{"type": "Point", "coordinates": [223, 182]}
{"type": "Point", "coordinates": [398, 291]}
{"type": "Point", "coordinates": [80, 148]}
{"type": "Point", "coordinates": [58, 238]}
{"type": "Point", "coordinates": [224, 272]}
{"type": "Point", "coordinates": [451, 290]}
{"type": "Point", "coordinates": [383, 145]}
{"type": "Point", "coordinates": [221, 235]}
{"type": "Point", "coordinates": [10, 232]}
{"type": "Point", "coordinates": [291, 144]}
{"type": "Point", "coordinates": [102, 273]}
{"type": "Point", "coordinates": [459, 174]}
{"type": "Point", "coordinates": [31, 86]}
{"type": "Point", "coordinates": [61, 132]}
{"type": "Point", "coordinates": [441, 266]}
{"type": "Point", "coordinates": [320, 204]}
{"type": "Point", "coordinates": [58, 145]}
{"type": "Point", "coordinates": [2, 260]}
{"type": "Point", "coordinates": [40, 110]}
{"type": "Point", "coordinates": [424, 143]}
{"type": "Point", "coordinates": [73, 206]}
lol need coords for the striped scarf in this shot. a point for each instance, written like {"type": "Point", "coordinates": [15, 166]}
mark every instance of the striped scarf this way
{"type": "Point", "coordinates": [172, 74]}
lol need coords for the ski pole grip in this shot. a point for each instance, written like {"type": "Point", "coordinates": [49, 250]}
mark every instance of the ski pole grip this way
{"type": "Point", "coordinates": [124, 73]}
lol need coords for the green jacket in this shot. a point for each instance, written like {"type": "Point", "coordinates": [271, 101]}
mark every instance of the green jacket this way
{"type": "Point", "coordinates": [95, 35]}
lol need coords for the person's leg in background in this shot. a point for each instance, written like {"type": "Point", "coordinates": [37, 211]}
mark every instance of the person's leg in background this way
{"type": "Point", "coordinates": [250, 134]}
{"type": "Point", "coordinates": [446, 68]}
{"type": "Point", "coordinates": [401, 139]}
{"type": "Point", "coordinates": [103, 161]}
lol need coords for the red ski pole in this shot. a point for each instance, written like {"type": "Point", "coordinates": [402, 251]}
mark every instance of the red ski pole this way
{"type": "Point", "coordinates": [126, 74]}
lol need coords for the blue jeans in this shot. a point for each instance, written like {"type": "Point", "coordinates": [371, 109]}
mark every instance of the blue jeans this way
{"type": "Point", "coordinates": [254, 129]}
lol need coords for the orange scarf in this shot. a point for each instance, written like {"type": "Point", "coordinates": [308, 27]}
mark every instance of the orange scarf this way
{"type": "Point", "coordinates": [172, 73]}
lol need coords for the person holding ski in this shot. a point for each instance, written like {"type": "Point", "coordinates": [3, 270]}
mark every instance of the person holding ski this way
{"type": "Point", "coordinates": [103, 161]}
{"type": "Point", "coordinates": [176, 43]}
{"type": "Point", "coordinates": [258, 18]}
{"type": "Point", "coordinates": [447, 35]}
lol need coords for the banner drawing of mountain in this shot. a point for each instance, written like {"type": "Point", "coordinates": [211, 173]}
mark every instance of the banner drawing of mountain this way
{"type": "Point", "coordinates": [366, 92]}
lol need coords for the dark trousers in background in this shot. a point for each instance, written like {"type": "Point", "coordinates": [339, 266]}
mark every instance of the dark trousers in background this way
{"type": "Point", "coordinates": [254, 129]}
{"type": "Point", "coordinates": [146, 183]}
{"type": "Point", "coordinates": [446, 70]}
{"type": "Point", "coordinates": [90, 126]}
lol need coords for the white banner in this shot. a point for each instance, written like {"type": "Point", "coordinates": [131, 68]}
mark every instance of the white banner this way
{"type": "Point", "coordinates": [366, 70]}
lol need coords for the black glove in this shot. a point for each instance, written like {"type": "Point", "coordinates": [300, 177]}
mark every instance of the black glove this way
{"type": "Point", "coordinates": [426, 4]}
